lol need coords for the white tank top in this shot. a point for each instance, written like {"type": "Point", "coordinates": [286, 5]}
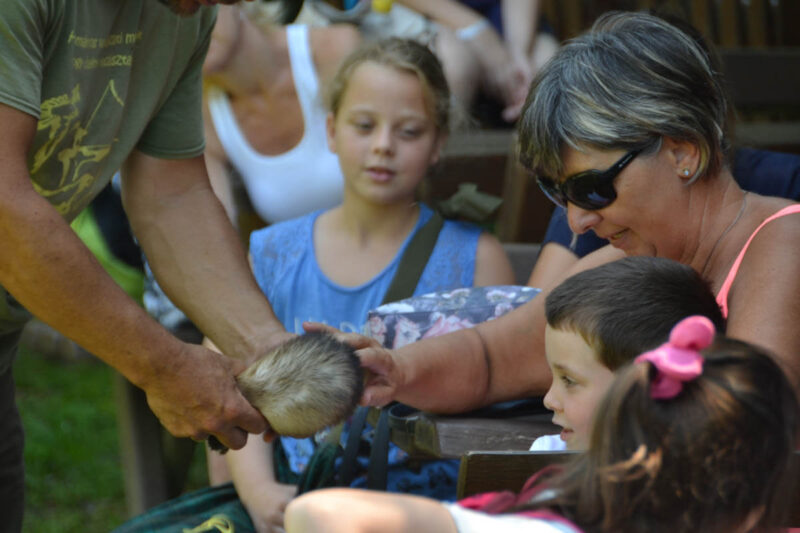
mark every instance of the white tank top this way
{"type": "Point", "coordinates": [305, 178]}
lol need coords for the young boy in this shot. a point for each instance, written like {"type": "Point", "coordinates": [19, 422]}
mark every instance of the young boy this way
{"type": "Point", "coordinates": [600, 319]}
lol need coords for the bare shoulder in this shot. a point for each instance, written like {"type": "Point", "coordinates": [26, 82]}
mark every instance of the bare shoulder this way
{"type": "Point", "coordinates": [775, 245]}
{"type": "Point", "coordinates": [331, 44]}
{"type": "Point", "coordinates": [492, 266]}
{"type": "Point", "coordinates": [763, 304]}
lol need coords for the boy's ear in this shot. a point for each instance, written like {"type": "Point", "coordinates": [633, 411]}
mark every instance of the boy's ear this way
{"type": "Point", "coordinates": [330, 130]}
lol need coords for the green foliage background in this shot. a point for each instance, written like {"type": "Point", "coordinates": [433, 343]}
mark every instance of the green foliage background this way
{"type": "Point", "coordinates": [74, 480]}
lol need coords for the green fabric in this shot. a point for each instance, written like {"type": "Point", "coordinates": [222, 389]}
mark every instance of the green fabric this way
{"type": "Point", "coordinates": [103, 78]}
{"type": "Point", "coordinates": [470, 204]}
{"type": "Point", "coordinates": [129, 278]}
{"type": "Point", "coordinates": [213, 509]}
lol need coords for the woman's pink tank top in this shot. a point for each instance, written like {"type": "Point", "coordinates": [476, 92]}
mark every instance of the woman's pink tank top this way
{"type": "Point", "coordinates": [722, 295]}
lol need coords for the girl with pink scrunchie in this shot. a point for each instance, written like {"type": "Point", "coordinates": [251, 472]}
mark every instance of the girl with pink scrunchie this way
{"type": "Point", "coordinates": [695, 435]}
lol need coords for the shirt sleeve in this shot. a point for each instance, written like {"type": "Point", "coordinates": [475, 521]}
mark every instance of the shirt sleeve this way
{"type": "Point", "coordinates": [22, 27]}
{"type": "Point", "coordinates": [469, 521]}
{"type": "Point", "coordinates": [181, 116]}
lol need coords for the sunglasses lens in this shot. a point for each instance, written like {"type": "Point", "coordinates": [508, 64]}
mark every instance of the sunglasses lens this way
{"type": "Point", "coordinates": [552, 191]}
{"type": "Point", "coordinates": [590, 190]}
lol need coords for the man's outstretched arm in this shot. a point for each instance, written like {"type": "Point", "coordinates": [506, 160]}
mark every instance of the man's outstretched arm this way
{"type": "Point", "coordinates": [47, 268]}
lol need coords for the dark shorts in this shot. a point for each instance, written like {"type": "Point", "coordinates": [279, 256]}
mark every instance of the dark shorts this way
{"type": "Point", "coordinates": [12, 470]}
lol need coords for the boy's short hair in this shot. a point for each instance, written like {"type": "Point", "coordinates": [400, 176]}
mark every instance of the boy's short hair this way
{"type": "Point", "coordinates": [624, 308]}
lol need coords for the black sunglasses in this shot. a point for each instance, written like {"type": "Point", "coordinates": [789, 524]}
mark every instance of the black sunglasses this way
{"type": "Point", "coordinates": [590, 189]}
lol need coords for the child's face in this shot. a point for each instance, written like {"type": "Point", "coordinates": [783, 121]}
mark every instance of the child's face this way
{"type": "Point", "coordinates": [384, 134]}
{"type": "Point", "coordinates": [579, 382]}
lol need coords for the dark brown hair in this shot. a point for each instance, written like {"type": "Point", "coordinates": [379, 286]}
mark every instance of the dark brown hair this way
{"type": "Point", "coordinates": [624, 308]}
{"type": "Point", "coordinates": [707, 460]}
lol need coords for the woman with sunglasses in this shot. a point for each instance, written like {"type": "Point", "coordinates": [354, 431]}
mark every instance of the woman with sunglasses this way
{"type": "Point", "coordinates": [625, 127]}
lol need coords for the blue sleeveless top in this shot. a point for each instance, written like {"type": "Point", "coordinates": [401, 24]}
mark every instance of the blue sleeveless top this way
{"type": "Point", "coordinates": [286, 269]}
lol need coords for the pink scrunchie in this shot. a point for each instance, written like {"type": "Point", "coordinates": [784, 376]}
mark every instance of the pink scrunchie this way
{"type": "Point", "coordinates": [679, 360]}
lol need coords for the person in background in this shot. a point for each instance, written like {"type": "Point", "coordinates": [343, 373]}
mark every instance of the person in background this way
{"type": "Point", "coordinates": [491, 45]}
{"type": "Point", "coordinates": [490, 48]}
{"type": "Point", "coordinates": [264, 113]}
{"type": "Point", "coordinates": [389, 117]}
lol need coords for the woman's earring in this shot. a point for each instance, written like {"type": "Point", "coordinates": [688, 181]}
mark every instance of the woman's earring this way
{"type": "Point", "coordinates": [686, 172]}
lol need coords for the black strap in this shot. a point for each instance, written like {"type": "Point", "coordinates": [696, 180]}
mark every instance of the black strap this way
{"type": "Point", "coordinates": [415, 258]}
{"type": "Point", "coordinates": [379, 455]}
{"type": "Point", "coordinates": [409, 270]}
{"type": "Point", "coordinates": [347, 470]}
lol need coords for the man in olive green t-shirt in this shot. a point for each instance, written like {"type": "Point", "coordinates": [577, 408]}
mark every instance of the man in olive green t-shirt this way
{"type": "Point", "coordinates": [87, 88]}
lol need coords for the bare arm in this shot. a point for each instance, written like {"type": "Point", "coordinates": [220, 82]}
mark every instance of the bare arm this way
{"type": "Point", "coordinates": [251, 470]}
{"type": "Point", "coordinates": [449, 13]}
{"type": "Point", "coordinates": [492, 266]}
{"type": "Point", "coordinates": [520, 22]}
{"type": "Point", "coordinates": [498, 360]}
{"type": "Point", "coordinates": [361, 511]}
{"type": "Point", "coordinates": [217, 166]}
{"type": "Point", "coordinates": [763, 305]}
{"type": "Point", "coordinates": [48, 269]}
{"type": "Point", "coordinates": [264, 498]}
{"type": "Point", "coordinates": [196, 254]}
{"type": "Point", "coordinates": [551, 264]}
{"type": "Point", "coordinates": [502, 77]}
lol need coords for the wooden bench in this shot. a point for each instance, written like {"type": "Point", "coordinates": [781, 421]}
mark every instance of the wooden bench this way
{"type": "Point", "coordinates": [487, 471]}
{"type": "Point", "coordinates": [758, 44]}
{"type": "Point", "coordinates": [426, 435]}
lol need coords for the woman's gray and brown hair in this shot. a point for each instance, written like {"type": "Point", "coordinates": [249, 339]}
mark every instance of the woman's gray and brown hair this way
{"type": "Point", "coordinates": [627, 83]}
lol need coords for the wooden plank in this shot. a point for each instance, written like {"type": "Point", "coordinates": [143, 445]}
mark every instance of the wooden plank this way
{"type": "Point", "coordinates": [700, 18]}
{"type": "Point", "coordinates": [523, 258]}
{"type": "Point", "coordinates": [155, 464]}
{"type": "Point", "coordinates": [142, 455]}
{"type": "Point", "coordinates": [515, 188]}
{"type": "Point", "coordinates": [488, 471]}
{"type": "Point", "coordinates": [776, 136]}
{"type": "Point", "coordinates": [477, 143]}
{"type": "Point", "coordinates": [757, 22]}
{"type": "Point", "coordinates": [574, 22]}
{"type": "Point", "coordinates": [762, 77]}
{"type": "Point", "coordinates": [729, 29]}
{"type": "Point", "coordinates": [427, 435]}
{"type": "Point", "coordinates": [789, 15]}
